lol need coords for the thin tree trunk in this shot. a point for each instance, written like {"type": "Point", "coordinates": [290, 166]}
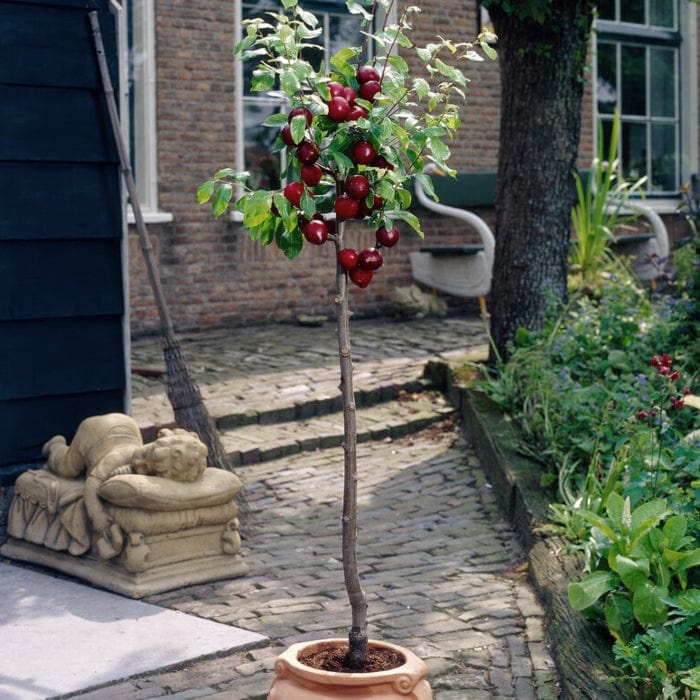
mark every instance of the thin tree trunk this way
{"type": "Point", "coordinates": [541, 94]}
{"type": "Point", "coordinates": [356, 596]}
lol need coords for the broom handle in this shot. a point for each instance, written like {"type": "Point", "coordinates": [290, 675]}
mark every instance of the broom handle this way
{"type": "Point", "coordinates": [146, 248]}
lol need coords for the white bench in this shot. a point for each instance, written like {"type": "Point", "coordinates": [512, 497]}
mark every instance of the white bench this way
{"type": "Point", "coordinates": [459, 270]}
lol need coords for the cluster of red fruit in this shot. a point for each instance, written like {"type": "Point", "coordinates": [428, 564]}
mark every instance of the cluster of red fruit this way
{"type": "Point", "coordinates": [354, 198]}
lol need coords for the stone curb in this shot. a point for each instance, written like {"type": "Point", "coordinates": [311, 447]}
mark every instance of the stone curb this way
{"type": "Point", "coordinates": [580, 648]}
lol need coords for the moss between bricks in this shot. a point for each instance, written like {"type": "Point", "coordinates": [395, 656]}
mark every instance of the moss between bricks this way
{"type": "Point", "coordinates": [581, 648]}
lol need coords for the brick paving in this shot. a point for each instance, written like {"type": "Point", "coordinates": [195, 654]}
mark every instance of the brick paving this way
{"type": "Point", "coordinates": [444, 574]}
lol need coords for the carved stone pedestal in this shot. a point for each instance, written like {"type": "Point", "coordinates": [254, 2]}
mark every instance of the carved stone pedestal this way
{"type": "Point", "coordinates": [174, 534]}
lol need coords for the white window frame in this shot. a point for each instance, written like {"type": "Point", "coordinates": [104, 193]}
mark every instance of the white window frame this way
{"type": "Point", "coordinates": [145, 169]}
{"type": "Point", "coordinates": [688, 103]}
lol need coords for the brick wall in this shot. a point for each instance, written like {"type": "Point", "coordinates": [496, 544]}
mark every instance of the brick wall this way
{"type": "Point", "coordinates": [212, 273]}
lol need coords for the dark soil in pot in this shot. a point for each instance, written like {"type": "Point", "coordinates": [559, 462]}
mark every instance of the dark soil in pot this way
{"type": "Point", "coordinates": [333, 659]}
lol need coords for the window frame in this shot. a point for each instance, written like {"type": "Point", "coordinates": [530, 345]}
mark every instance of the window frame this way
{"type": "Point", "coordinates": [143, 138]}
{"type": "Point", "coordinates": [686, 94]}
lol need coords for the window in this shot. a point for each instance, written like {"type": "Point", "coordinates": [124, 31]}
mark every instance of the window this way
{"type": "Point", "coordinates": [137, 43]}
{"type": "Point", "coordinates": [339, 29]}
{"type": "Point", "coordinates": [645, 60]}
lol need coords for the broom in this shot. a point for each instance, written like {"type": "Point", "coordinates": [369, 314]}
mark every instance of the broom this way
{"type": "Point", "coordinates": [181, 386]}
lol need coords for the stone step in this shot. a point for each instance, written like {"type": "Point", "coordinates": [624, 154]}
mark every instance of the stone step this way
{"type": "Point", "coordinates": [288, 396]}
{"type": "Point", "coordinates": [409, 412]}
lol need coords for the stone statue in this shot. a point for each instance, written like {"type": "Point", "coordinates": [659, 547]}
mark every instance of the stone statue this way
{"type": "Point", "coordinates": [132, 517]}
{"type": "Point", "coordinates": [110, 445]}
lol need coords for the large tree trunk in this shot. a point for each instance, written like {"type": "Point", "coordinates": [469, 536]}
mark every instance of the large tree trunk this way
{"type": "Point", "coordinates": [541, 90]}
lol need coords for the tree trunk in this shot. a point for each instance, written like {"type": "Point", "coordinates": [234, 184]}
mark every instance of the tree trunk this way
{"type": "Point", "coordinates": [357, 637]}
{"type": "Point", "coordinates": [541, 93]}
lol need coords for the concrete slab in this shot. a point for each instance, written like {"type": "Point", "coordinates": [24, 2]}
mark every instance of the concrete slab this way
{"type": "Point", "coordinates": [58, 637]}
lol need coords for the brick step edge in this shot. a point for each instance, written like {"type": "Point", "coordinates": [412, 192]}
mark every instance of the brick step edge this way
{"type": "Point", "coordinates": [388, 420]}
{"type": "Point", "coordinates": [227, 418]}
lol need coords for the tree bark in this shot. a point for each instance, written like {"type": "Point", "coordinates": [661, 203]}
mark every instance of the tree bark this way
{"type": "Point", "coordinates": [541, 93]}
{"type": "Point", "coordinates": [357, 637]}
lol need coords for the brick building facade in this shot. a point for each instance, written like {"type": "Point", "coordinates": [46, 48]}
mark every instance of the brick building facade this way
{"type": "Point", "coordinates": [212, 273]}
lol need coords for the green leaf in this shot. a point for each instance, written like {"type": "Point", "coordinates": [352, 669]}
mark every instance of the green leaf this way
{"type": "Point", "coordinates": [276, 119]}
{"type": "Point", "coordinates": [421, 87]}
{"type": "Point", "coordinates": [222, 197]}
{"type": "Point", "coordinates": [290, 242]}
{"type": "Point", "coordinates": [341, 59]}
{"type": "Point", "coordinates": [619, 614]}
{"type": "Point", "coordinates": [426, 182]}
{"type": "Point", "coordinates": [648, 515]}
{"type": "Point", "coordinates": [257, 209]}
{"type": "Point", "coordinates": [675, 529]}
{"type": "Point", "coordinates": [587, 591]}
{"type": "Point", "coordinates": [648, 604]}
{"type": "Point", "coordinates": [633, 572]}
{"type": "Point", "coordinates": [615, 508]}
{"type": "Point", "coordinates": [262, 81]}
{"type": "Point", "coordinates": [412, 220]}
{"type": "Point", "coordinates": [682, 561]}
{"type": "Point", "coordinates": [289, 82]}
{"type": "Point", "coordinates": [298, 127]}
{"type": "Point", "coordinates": [205, 191]}
{"type": "Point", "coordinates": [308, 18]}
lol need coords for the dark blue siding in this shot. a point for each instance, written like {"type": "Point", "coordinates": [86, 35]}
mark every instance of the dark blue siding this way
{"type": "Point", "coordinates": [62, 355]}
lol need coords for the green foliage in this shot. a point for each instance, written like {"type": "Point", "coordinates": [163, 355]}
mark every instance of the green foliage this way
{"type": "Point", "coordinates": [408, 123]}
{"type": "Point", "coordinates": [644, 564]}
{"type": "Point", "coordinates": [599, 214]}
{"type": "Point", "coordinates": [663, 661]}
{"type": "Point", "coordinates": [593, 398]}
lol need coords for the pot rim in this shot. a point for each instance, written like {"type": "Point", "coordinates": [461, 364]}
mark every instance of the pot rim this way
{"type": "Point", "coordinates": [413, 666]}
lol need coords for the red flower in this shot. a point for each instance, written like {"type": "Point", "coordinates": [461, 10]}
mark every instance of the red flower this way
{"type": "Point", "coordinates": [674, 375]}
{"type": "Point", "coordinates": [677, 403]}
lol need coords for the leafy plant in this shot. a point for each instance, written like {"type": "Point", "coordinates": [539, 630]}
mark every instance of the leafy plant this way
{"type": "Point", "coordinates": [663, 661]}
{"type": "Point", "coordinates": [353, 139]}
{"type": "Point", "coordinates": [598, 214]}
{"type": "Point", "coordinates": [646, 564]}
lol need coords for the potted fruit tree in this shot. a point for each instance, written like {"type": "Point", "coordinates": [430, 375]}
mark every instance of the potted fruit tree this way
{"type": "Point", "coordinates": [350, 141]}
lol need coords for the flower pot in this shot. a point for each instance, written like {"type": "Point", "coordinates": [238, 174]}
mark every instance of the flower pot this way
{"type": "Point", "coordinates": [296, 681]}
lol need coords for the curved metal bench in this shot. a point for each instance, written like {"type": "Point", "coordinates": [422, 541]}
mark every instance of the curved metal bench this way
{"type": "Point", "coordinates": [460, 270]}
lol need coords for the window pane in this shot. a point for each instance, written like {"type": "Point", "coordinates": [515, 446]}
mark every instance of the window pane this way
{"type": "Point", "coordinates": [344, 30]}
{"type": "Point", "coordinates": [634, 150]}
{"type": "Point", "coordinates": [661, 13]}
{"type": "Point", "coordinates": [663, 82]}
{"type": "Point", "coordinates": [633, 83]}
{"type": "Point", "coordinates": [263, 165]}
{"type": "Point", "coordinates": [663, 160]}
{"type": "Point", "coordinates": [632, 11]}
{"type": "Point", "coordinates": [606, 89]}
{"type": "Point", "coordinates": [606, 9]}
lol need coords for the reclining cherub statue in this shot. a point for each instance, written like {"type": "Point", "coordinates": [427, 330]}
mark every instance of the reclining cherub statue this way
{"type": "Point", "coordinates": [109, 445]}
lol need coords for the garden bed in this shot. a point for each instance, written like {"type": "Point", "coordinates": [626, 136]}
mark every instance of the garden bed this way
{"type": "Point", "coordinates": [581, 649]}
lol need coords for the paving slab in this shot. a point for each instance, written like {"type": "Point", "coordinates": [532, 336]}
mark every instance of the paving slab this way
{"type": "Point", "coordinates": [58, 637]}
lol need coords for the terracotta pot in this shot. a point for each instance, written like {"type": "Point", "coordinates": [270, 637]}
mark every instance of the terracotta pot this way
{"type": "Point", "coordinates": [295, 681]}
